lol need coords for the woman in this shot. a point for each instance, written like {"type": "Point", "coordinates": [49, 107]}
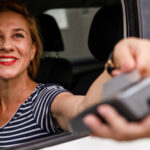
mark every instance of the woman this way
{"type": "Point", "coordinates": [29, 110]}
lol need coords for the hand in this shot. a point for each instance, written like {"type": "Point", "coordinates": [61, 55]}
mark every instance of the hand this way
{"type": "Point", "coordinates": [130, 54]}
{"type": "Point", "coordinates": [117, 127]}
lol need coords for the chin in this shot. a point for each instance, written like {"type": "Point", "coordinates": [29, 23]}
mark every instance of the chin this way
{"type": "Point", "coordinates": [7, 76]}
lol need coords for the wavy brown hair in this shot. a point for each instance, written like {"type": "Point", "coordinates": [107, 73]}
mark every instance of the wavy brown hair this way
{"type": "Point", "coordinates": [20, 8]}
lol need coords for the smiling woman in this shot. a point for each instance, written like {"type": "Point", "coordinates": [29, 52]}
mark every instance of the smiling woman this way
{"type": "Point", "coordinates": [20, 49]}
{"type": "Point", "coordinates": [15, 42]}
{"type": "Point", "coordinates": [29, 110]}
{"type": "Point", "coordinates": [25, 30]}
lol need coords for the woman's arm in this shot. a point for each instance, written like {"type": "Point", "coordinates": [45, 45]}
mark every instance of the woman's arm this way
{"type": "Point", "coordinates": [66, 105]}
{"type": "Point", "coordinates": [129, 54]}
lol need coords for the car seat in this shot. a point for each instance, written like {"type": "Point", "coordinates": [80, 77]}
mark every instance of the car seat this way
{"type": "Point", "coordinates": [52, 69]}
{"type": "Point", "coordinates": [105, 31]}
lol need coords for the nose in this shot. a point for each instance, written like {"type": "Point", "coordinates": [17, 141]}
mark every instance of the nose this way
{"type": "Point", "coordinates": [6, 45]}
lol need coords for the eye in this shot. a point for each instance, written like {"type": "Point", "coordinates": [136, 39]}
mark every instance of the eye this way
{"type": "Point", "coordinates": [18, 35]}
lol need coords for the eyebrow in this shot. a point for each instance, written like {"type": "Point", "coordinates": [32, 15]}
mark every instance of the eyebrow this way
{"type": "Point", "coordinates": [19, 29]}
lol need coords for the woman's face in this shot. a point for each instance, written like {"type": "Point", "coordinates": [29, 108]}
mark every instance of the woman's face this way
{"type": "Point", "coordinates": [16, 47]}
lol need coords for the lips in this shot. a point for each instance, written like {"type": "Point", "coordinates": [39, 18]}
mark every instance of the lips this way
{"type": "Point", "coordinates": [7, 60]}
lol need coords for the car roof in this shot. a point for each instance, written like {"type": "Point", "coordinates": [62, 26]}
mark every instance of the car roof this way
{"type": "Point", "coordinates": [42, 5]}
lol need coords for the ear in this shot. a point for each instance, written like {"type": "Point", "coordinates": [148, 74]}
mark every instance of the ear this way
{"type": "Point", "coordinates": [33, 51]}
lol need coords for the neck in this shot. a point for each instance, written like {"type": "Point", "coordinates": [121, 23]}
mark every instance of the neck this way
{"type": "Point", "coordinates": [15, 91]}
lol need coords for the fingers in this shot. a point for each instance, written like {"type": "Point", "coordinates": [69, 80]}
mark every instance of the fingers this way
{"type": "Point", "coordinates": [120, 129]}
{"type": "Point", "coordinates": [123, 56]}
{"type": "Point", "coordinates": [143, 58]}
{"type": "Point", "coordinates": [116, 72]}
{"type": "Point", "coordinates": [130, 54]}
{"type": "Point", "coordinates": [109, 113]}
{"type": "Point", "coordinates": [97, 126]}
{"type": "Point", "coordinates": [139, 129]}
{"type": "Point", "coordinates": [117, 127]}
{"type": "Point", "coordinates": [114, 127]}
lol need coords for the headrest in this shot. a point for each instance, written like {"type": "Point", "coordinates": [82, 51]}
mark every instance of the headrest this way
{"type": "Point", "coordinates": [106, 30]}
{"type": "Point", "coordinates": [51, 35]}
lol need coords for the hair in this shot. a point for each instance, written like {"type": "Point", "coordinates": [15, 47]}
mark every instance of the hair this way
{"type": "Point", "coordinates": [20, 8]}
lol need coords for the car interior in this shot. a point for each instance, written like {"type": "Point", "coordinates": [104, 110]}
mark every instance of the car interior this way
{"type": "Point", "coordinates": [53, 69]}
{"type": "Point", "coordinates": [76, 73]}
{"type": "Point", "coordinates": [58, 69]}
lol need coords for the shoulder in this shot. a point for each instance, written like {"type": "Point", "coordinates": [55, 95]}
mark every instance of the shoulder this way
{"type": "Point", "coordinates": [49, 86]}
{"type": "Point", "coordinates": [42, 88]}
{"type": "Point", "coordinates": [49, 91]}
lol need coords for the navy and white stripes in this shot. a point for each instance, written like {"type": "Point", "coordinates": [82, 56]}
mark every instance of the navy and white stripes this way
{"type": "Point", "coordinates": [33, 118]}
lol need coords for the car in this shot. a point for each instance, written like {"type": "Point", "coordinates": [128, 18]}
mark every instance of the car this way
{"type": "Point", "coordinates": [78, 36]}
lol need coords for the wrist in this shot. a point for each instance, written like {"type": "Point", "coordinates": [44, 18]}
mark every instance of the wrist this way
{"type": "Point", "coordinates": [110, 65]}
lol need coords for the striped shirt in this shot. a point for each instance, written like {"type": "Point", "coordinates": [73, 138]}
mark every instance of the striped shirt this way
{"type": "Point", "coordinates": [33, 119]}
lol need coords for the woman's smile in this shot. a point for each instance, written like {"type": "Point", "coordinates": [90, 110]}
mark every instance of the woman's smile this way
{"type": "Point", "coordinates": [7, 60]}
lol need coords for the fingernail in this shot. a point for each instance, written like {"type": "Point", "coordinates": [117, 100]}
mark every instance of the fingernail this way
{"type": "Point", "coordinates": [128, 66]}
{"type": "Point", "coordinates": [102, 110]}
{"type": "Point", "coordinates": [87, 119]}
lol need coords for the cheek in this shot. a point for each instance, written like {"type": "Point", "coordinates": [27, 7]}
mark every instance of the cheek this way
{"type": "Point", "coordinates": [25, 50]}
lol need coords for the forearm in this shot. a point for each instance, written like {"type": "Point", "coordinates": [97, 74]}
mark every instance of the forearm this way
{"type": "Point", "coordinates": [65, 107]}
{"type": "Point", "coordinates": [94, 94]}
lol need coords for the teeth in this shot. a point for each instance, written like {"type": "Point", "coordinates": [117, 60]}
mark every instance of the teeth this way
{"type": "Point", "coordinates": [6, 59]}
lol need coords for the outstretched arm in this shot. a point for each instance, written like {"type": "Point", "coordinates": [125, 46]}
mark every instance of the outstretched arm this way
{"type": "Point", "coordinates": [66, 105]}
